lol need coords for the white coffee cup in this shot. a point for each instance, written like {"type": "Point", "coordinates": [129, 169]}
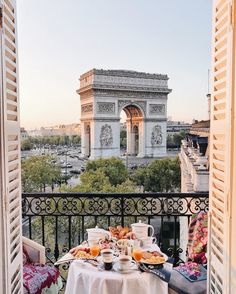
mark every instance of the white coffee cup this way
{"type": "Point", "coordinates": [147, 242]}
{"type": "Point", "coordinates": [125, 262]}
{"type": "Point", "coordinates": [107, 258]}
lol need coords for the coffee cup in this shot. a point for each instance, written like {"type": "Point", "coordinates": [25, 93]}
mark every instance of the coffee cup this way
{"type": "Point", "coordinates": [107, 258]}
{"type": "Point", "coordinates": [147, 242]}
{"type": "Point", "coordinates": [125, 262]}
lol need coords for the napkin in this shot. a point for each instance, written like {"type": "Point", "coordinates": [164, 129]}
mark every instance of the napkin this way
{"type": "Point", "coordinates": [66, 258]}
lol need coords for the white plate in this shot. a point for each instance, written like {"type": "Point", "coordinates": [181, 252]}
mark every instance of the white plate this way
{"type": "Point", "coordinates": [164, 255]}
{"type": "Point", "coordinates": [127, 271]}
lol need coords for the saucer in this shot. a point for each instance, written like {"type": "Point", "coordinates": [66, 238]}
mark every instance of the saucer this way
{"type": "Point", "coordinates": [116, 268]}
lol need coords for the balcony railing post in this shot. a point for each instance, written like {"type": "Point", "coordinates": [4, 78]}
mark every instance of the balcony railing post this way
{"type": "Point", "coordinates": [56, 250]}
{"type": "Point", "coordinates": [122, 210]}
{"type": "Point", "coordinates": [69, 231]}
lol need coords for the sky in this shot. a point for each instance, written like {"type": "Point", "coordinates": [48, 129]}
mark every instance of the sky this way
{"type": "Point", "coordinates": [58, 40]}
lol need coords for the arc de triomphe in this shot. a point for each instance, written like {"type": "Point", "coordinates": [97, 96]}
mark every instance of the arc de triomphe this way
{"type": "Point", "coordinates": [143, 97]}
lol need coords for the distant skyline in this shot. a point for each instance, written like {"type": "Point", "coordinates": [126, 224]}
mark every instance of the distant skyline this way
{"type": "Point", "coordinates": [60, 40]}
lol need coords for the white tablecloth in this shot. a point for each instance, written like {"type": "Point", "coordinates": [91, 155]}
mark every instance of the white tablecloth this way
{"type": "Point", "coordinates": [84, 278]}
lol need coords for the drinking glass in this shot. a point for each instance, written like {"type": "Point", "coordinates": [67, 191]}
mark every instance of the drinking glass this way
{"type": "Point", "coordinates": [137, 254]}
{"type": "Point", "coordinates": [94, 250]}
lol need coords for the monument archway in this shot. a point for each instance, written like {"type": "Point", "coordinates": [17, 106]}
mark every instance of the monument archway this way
{"type": "Point", "coordinates": [134, 129]}
{"type": "Point", "coordinates": [142, 96]}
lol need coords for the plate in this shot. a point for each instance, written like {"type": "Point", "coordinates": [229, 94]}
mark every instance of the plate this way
{"type": "Point", "coordinates": [156, 263]}
{"type": "Point", "coordinates": [127, 271]}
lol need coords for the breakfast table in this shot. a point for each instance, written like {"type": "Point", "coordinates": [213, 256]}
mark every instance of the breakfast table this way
{"type": "Point", "coordinates": [85, 278]}
{"type": "Point", "coordinates": [106, 266]}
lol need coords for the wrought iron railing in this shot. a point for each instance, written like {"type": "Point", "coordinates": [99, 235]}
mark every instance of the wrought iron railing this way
{"type": "Point", "coordinates": [59, 220]}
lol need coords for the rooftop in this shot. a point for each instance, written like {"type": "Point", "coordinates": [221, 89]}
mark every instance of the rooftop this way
{"type": "Point", "coordinates": [124, 73]}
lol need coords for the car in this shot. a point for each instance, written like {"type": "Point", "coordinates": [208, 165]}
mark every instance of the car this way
{"type": "Point", "coordinates": [75, 171]}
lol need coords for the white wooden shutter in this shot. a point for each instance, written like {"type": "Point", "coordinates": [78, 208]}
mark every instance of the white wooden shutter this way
{"type": "Point", "coordinates": [221, 148]}
{"type": "Point", "coordinates": [10, 238]}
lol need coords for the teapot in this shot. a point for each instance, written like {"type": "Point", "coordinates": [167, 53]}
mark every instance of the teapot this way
{"type": "Point", "coordinates": [97, 233]}
{"type": "Point", "coordinates": [141, 230]}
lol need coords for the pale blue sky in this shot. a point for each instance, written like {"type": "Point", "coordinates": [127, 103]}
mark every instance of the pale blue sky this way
{"type": "Point", "coordinates": [60, 39]}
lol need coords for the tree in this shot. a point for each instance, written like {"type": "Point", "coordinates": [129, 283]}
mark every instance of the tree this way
{"type": "Point", "coordinates": [26, 145]}
{"type": "Point", "coordinates": [76, 139]}
{"type": "Point", "coordinates": [178, 137]}
{"type": "Point", "coordinates": [38, 172]}
{"type": "Point", "coordinates": [159, 176]}
{"type": "Point", "coordinates": [113, 168]}
{"type": "Point", "coordinates": [93, 182]}
{"type": "Point", "coordinates": [123, 138]}
{"type": "Point", "coordinates": [98, 182]}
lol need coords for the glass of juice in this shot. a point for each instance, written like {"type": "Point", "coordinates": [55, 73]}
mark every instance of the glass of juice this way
{"type": "Point", "coordinates": [137, 254]}
{"type": "Point", "coordinates": [95, 250]}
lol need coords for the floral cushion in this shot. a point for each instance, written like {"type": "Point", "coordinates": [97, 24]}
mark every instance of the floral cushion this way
{"type": "Point", "coordinates": [38, 276]}
{"type": "Point", "coordinates": [198, 235]}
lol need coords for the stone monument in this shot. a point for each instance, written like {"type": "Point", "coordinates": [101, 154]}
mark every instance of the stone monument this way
{"type": "Point", "coordinates": [142, 96]}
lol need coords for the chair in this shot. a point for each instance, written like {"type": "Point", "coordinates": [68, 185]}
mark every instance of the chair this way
{"type": "Point", "coordinates": [38, 277]}
{"type": "Point", "coordinates": [197, 245]}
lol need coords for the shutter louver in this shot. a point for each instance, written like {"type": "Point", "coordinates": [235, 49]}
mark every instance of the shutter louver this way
{"type": "Point", "coordinates": [10, 152]}
{"type": "Point", "coordinates": [220, 148]}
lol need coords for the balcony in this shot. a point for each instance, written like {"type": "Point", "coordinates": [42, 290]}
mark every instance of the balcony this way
{"type": "Point", "coordinates": [59, 220]}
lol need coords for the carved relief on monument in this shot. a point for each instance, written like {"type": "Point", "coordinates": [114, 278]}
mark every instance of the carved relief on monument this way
{"type": "Point", "coordinates": [122, 103]}
{"type": "Point", "coordinates": [129, 94]}
{"type": "Point", "coordinates": [86, 108]}
{"type": "Point", "coordinates": [156, 138]}
{"type": "Point", "coordinates": [157, 109]}
{"type": "Point", "coordinates": [106, 138]}
{"type": "Point", "coordinates": [105, 107]}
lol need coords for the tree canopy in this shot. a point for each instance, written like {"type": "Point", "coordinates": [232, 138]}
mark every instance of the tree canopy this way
{"type": "Point", "coordinates": [159, 176]}
{"type": "Point", "coordinates": [113, 168]}
{"type": "Point", "coordinates": [175, 140]}
{"type": "Point", "coordinates": [38, 172]}
{"type": "Point", "coordinates": [56, 140]}
{"type": "Point", "coordinates": [26, 145]}
{"type": "Point", "coordinates": [104, 175]}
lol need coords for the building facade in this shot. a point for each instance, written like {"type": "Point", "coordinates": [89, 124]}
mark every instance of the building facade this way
{"type": "Point", "coordinates": [23, 134]}
{"type": "Point", "coordinates": [194, 163]}
{"type": "Point", "coordinates": [174, 127]}
{"type": "Point", "coordinates": [142, 96]}
{"type": "Point", "coordinates": [58, 130]}
{"type": "Point", "coordinates": [194, 159]}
